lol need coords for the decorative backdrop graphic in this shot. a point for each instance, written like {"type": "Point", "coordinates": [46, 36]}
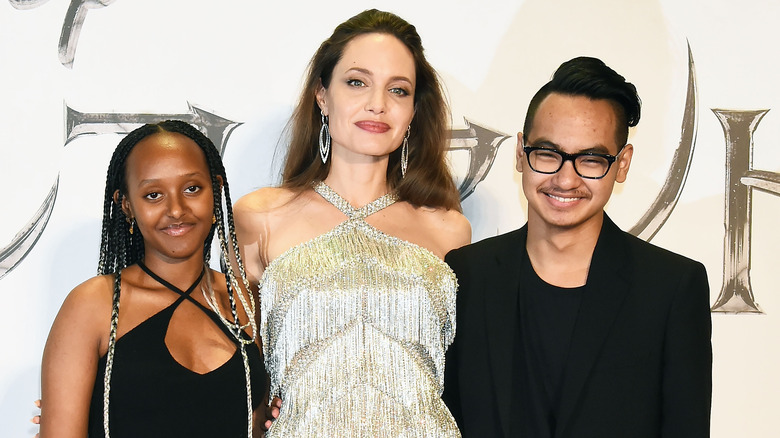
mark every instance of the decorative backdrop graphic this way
{"type": "Point", "coordinates": [76, 75]}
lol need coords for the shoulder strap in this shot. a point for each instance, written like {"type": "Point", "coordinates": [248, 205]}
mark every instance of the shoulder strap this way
{"type": "Point", "coordinates": [187, 295]}
{"type": "Point", "coordinates": [345, 207]}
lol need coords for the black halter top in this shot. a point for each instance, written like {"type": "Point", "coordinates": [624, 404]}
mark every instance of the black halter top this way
{"type": "Point", "coordinates": [152, 395]}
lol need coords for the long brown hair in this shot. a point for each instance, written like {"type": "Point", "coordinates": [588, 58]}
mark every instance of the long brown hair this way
{"type": "Point", "coordinates": [428, 181]}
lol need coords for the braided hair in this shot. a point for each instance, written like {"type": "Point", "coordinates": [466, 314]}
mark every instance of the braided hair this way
{"type": "Point", "coordinates": [121, 247]}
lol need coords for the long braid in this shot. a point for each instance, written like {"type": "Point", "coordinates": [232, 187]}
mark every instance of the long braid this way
{"type": "Point", "coordinates": [251, 312]}
{"type": "Point", "coordinates": [118, 248]}
{"type": "Point", "coordinates": [110, 353]}
{"type": "Point", "coordinates": [247, 302]}
{"type": "Point", "coordinates": [235, 250]}
{"type": "Point", "coordinates": [232, 287]}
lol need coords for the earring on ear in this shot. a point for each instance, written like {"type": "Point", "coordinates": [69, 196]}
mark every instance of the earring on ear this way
{"type": "Point", "coordinates": [324, 138]}
{"type": "Point", "coordinates": [214, 219]}
{"type": "Point", "coordinates": [405, 152]}
{"type": "Point", "coordinates": [132, 222]}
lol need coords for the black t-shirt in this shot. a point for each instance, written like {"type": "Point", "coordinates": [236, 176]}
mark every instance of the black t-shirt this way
{"type": "Point", "coordinates": [547, 315]}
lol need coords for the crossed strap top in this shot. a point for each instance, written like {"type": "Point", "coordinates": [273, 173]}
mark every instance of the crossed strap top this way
{"type": "Point", "coordinates": [153, 395]}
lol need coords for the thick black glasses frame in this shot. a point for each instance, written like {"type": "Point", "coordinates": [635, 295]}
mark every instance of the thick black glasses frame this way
{"type": "Point", "coordinates": [570, 157]}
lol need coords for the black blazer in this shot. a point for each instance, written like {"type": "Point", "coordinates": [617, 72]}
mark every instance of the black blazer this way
{"type": "Point", "coordinates": [640, 363]}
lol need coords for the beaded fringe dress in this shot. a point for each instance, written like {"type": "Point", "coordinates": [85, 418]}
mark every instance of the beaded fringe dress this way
{"type": "Point", "coordinates": [355, 324]}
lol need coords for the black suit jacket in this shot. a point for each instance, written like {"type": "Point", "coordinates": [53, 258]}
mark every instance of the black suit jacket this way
{"type": "Point", "coordinates": [640, 363]}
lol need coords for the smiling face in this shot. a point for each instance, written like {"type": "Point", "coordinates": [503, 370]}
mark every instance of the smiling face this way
{"type": "Point", "coordinates": [571, 124]}
{"type": "Point", "coordinates": [170, 196]}
{"type": "Point", "coordinates": [370, 98]}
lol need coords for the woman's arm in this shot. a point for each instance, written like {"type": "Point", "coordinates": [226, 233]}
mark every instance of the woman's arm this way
{"type": "Point", "coordinates": [70, 358]}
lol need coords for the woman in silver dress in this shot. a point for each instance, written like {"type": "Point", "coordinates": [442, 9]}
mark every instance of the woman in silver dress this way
{"type": "Point", "coordinates": [357, 306]}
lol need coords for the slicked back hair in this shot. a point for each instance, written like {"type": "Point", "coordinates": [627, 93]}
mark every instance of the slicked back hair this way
{"type": "Point", "coordinates": [591, 78]}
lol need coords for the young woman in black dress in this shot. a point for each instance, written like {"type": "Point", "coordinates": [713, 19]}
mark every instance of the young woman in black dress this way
{"type": "Point", "coordinates": [158, 344]}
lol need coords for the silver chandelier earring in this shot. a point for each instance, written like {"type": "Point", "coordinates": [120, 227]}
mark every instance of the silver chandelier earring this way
{"type": "Point", "coordinates": [324, 138]}
{"type": "Point", "coordinates": [405, 152]}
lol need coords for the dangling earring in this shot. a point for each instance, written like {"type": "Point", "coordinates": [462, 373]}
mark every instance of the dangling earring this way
{"type": "Point", "coordinates": [405, 152]}
{"type": "Point", "coordinates": [132, 222]}
{"type": "Point", "coordinates": [324, 138]}
{"type": "Point", "coordinates": [213, 218]}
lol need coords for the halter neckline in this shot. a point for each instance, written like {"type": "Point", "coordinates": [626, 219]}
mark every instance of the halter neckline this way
{"type": "Point", "coordinates": [168, 285]}
{"type": "Point", "coordinates": [345, 207]}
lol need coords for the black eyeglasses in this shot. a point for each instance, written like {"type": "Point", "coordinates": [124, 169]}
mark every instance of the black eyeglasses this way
{"type": "Point", "coordinates": [589, 165]}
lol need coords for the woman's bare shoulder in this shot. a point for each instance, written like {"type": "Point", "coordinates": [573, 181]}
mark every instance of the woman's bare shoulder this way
{"type": "Point", "coordinates": [450, 227]}
{"type": "Point", "coordinates": [265, 200]}
{"type": "Point", "coordinates": [264, 209]}
{"type": "Point", "coordinates": [95, 291]}
{"type": "Point", "coordinates": [89, 304]}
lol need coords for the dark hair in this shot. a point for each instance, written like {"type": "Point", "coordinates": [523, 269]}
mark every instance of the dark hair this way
{"type": "Point", "coordinates": [119, 248]}
{"type": "Point", "coordinates": [590, 77]}
{"type": "Point", "coordinates": [428, 181]}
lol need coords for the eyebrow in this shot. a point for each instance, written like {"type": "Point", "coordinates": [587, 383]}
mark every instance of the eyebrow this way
{"type": "Point", "coordinates": [369, 73]}
{"type": "Point", "coordinates": [599, 148]}
{"type": "Point", "coordinates": [188, 175]}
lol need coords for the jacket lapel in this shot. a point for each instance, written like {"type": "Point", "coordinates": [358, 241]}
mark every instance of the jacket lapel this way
{"type": "Point", "coordinates": [501, 314]}
{"type": "Point", "coordinates": [606, 287]}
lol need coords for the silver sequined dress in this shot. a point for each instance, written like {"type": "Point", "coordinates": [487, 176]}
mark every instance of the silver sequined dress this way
{"type": "Point", "coordinates": [355, 324]}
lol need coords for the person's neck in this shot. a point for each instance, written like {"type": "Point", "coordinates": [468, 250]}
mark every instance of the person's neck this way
{"type": "Point", "coordinates": [358, 183]}
{"type": "Point", "coordinates": [180, 273]}
{"type": "Point", "coordinates": [562, 256]}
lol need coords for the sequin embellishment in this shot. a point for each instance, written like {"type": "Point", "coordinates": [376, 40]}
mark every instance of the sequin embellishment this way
{"type": "Point", "coordinates": [355, 324]}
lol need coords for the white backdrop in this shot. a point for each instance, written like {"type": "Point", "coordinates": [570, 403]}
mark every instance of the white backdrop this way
{"type": "Point", "coordinates": [243, 60]}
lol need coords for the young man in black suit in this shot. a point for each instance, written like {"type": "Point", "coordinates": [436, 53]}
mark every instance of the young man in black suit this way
{"type": "Point", "coordinates": [570, 327]}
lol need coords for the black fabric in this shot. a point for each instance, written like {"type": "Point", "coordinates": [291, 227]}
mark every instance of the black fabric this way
{"type": "Point", "coordinates": [152, 395]}
{"type": "Point", "coordinates": [547, 315]}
